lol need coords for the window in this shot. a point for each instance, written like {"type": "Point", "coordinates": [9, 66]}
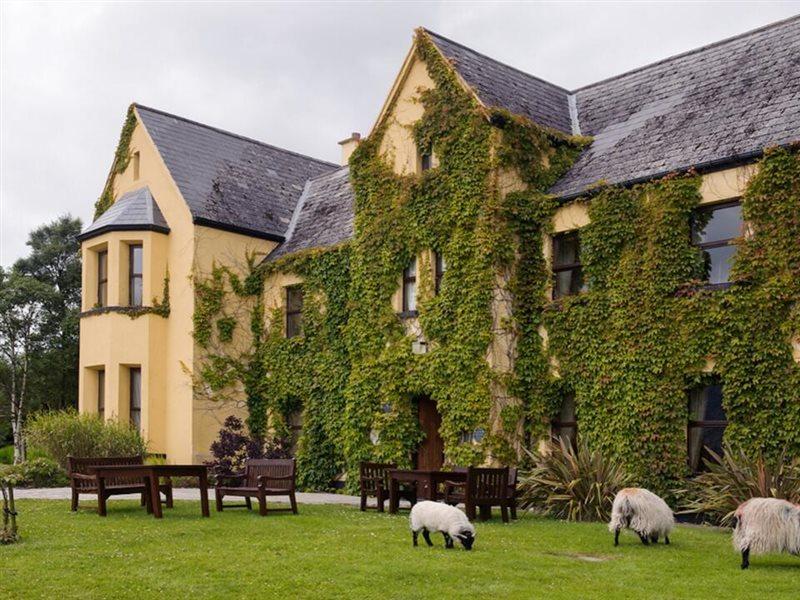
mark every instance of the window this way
{"type": "Point", "coordinates": [707, 422]}
{"type": "Point", "coordinates": [102, 278]}
{"type": "Point", "coordinates": [565, 425]}
{"type": "Point", "coordinates": [136, 255]}
{"type": "Point", "coordinates": [135, 160]}
{"type": "Point", "coordinates": [294, 311]}
{"type": "Point", "coordinates": [713, 230]}
{"type": "Point", "coordinates": [426, 161]}
{"type": "Point", "coordinates": [567, 270]}
{"type": "Point", "coordinates": [410, 287]}
{"type": "Point", "coordinates": [440, 266]}
{"type": "Point", "coordinates": [101, 393]}
{"type": "Point", "coordinates": [136, 397]}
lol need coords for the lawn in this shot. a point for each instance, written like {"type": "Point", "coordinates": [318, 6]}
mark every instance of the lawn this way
{"type": "Point", "coordinates": [339, 552]}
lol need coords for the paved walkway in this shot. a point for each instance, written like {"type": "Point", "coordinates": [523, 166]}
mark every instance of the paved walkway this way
{"type": "Point", "coordinates": [194, 494]}
{"type": "Point", "coordinates": [183, 494]}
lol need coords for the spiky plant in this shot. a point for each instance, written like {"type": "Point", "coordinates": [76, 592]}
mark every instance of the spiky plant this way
{"type": "Point", "coordinates": [737, 476]}
{"type": "Point", "coordinates": [576, 484]}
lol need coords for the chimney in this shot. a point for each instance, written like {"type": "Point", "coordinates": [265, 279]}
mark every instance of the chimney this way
{"type": "Point", "coordinates": [349, 145]}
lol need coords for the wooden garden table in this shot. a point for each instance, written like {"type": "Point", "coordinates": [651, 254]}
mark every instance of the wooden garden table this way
{"type": "Point", "coordinates": [150, 475]}
{"type": "Point", "coordinates": [427, 483]}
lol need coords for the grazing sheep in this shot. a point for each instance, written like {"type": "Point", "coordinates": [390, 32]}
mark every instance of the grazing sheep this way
{"type": "Point", "coordinates": [644, 512]}
{"type": "Point", "coordinates": [430, 516]}
{"type": "Point", "coordinates": [766, 525]}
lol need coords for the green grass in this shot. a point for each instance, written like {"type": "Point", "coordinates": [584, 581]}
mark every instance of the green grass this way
{"type": "Point", "coordinates": [338, 552]}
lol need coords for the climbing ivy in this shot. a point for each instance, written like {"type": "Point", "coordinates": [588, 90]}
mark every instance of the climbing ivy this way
{"type": "Point", "coordinates": [628, 349]}
{"type": "Point", "coordinates": [121, 159]}
{"type": "Point", "coordinates": [631, 346]}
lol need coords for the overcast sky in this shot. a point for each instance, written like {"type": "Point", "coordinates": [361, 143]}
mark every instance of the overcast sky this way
{"type": "Point", "coordinates": [298, 75]}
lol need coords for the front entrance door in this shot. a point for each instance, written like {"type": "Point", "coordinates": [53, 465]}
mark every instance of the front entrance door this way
{"type": "Point", "coordinates": [430, 456]}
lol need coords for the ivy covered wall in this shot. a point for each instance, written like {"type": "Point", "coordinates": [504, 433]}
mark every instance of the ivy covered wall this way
{"type": "Point", "coordinates": [628, 349]}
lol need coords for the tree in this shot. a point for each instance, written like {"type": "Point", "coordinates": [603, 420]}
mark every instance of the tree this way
{"type": "Point", "coordinates": [55, 261]}
{"type": "Point", "coordinates": [23, 301]}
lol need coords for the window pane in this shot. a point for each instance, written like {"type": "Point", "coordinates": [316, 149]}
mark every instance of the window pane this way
{"type": "Point", "coordinates": [137, 254]}
{"type": "Point", "coordinates": [136, 398]}
{"type": "Point", "coordinates": [705, 405]}
{"type": "Point", "coordinates": [102, 265]}
{"type": "Point", "coordinates": [723, 224]}
{"type": "Point", "coordinates": [136, 291]}
{"type": "Point", "coordinates": [409, 295]}
{"type": "Point", "coordinates": [101, 393]}
{"type": "Point", "coordinates": [411, 269]}
{"type": "Point", "coordinates": [566, 249]}
{"type": "Point", "coordinates": [102, 294]}
{"type": "Point", "coordinates": [568, 282]}
{"type": "Point", "coordinates": [294, 325]}
{"type": "Point", "coordinates": [294, 299]}
{"type": "Point", "coordinates": [718, 262]}
{"type": "Point", "coordinates": [567, 412]}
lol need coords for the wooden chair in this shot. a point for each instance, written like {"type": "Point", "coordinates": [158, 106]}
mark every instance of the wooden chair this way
{"type": "Point", "coordinates": [484, 488]}
{"type": "Point", "coordinates": [262, 477]}
{"type": "Point", "coordinates": [373, 479]}
{"type": "Point", "coordinates": [83, 481]}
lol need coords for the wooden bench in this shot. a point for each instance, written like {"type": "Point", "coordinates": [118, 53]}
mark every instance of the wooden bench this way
{"type": "Point", "coordinates": [83, 481]}
{"type": "Point", "coordinates": [261, 478]}
{"type": "Point", "coordinates": [484, 488]}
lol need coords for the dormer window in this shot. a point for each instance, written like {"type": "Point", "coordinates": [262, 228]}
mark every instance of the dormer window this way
{"type": "Point", "coordinates": [135, 274]}
{"type": "Point", "coordinates": [410, 287]}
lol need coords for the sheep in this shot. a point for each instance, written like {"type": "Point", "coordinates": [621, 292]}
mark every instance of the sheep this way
{"type": "Point", "coordinates": [430, 516]}
{"type": "Point", "coordinates": [644, 512]}
{"type": "Point", "coordinates": [766, 525]}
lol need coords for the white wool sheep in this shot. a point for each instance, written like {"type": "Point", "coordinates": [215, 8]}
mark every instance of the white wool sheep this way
{"type": "Point", "coordinates": [430, 516]}
{"type": "Point", "coordinates": [766, 525]}
{"type": "Point", "coordinates": [644, 512]}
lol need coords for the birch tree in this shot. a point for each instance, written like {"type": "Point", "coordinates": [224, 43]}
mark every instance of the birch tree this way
{"type": "Point", "coordinates": [22, 302]}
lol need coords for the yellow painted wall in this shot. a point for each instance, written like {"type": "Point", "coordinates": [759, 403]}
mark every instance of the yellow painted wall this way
{"type": "Point", "coordinates": [222, 248]}
{"type": "Point", "coordinates": [398, 146]}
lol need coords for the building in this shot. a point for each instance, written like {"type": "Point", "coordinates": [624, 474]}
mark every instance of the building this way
{"type": "Point", "coordinates": [468, 355]}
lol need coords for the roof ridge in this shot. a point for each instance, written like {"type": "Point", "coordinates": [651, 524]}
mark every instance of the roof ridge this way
{"type": "Point", "coordinates": [231, 134]}
{"type": "Point", "coordinates": [494, 60]}
{"type": "Point", "coordinates": [703, 48]}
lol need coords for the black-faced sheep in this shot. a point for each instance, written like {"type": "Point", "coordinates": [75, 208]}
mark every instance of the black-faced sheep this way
{"type": "Point", "coordinates": [430, 516]}
{"type": "Point", "coordinates": [644, 512]}
{"type": "Point", "coordinates": [764, 526]}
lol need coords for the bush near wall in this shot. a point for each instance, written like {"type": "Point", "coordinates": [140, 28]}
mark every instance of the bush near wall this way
{"type": "Point", "coordinates": [66, 433]}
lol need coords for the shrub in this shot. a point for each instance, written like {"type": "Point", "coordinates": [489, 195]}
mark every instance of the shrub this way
{"type": "Point", "coordinates": [6, 455]}
{"type": "Point", "coordinates": [573, 484]}
{"type": "Point", "coordinates": [65, 433]}
{"type": "Point", "coordinates": [234, 446]}
{"type": "Point", "coordinates": [37, 472]}
{"type": "Point", "coordinates": [734, 477]}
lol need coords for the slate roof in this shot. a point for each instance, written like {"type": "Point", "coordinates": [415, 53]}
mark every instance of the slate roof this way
{"type": "Point", "coordinates": [501, 86]}
{"type": "Point", "coordinates": [713, 105]}
{"type": "Point", "coordinates": [134, 211]}
{"type": "Point", "coordinates": [323, 217]}
{"type": "Point", "coordinates": [229, 181]}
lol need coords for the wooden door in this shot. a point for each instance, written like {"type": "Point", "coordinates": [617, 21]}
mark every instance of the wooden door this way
{"type": "Point", "coordinates": [430, 456]}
